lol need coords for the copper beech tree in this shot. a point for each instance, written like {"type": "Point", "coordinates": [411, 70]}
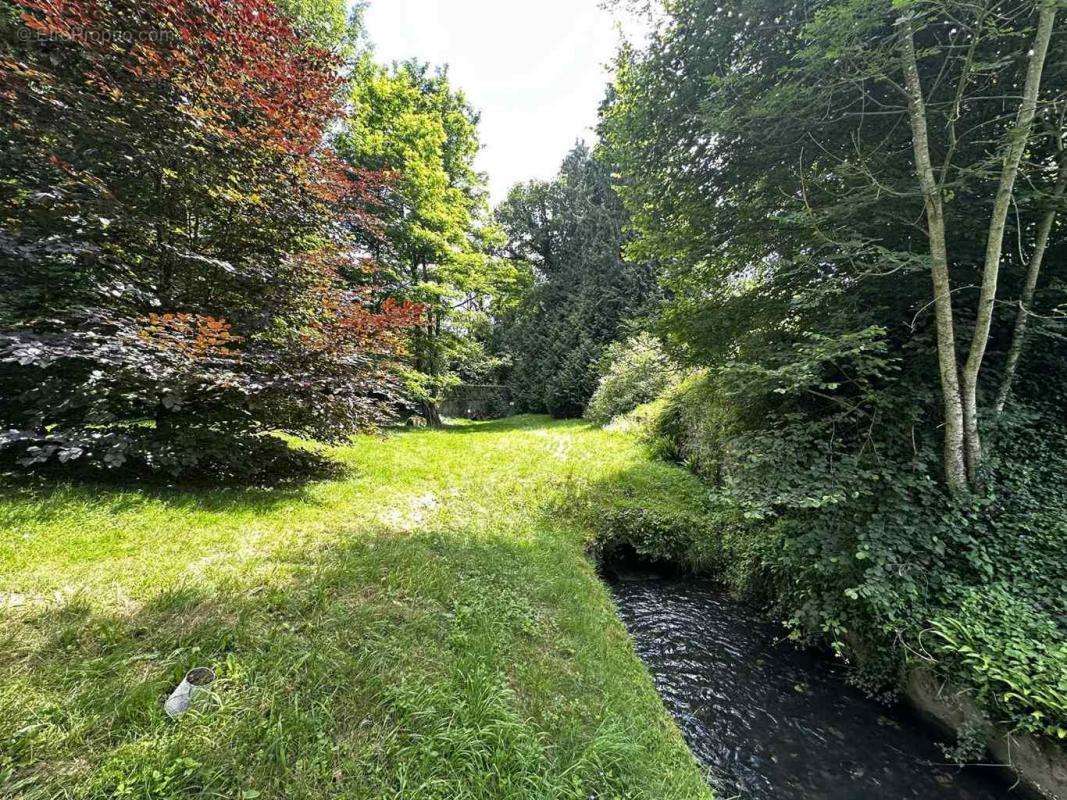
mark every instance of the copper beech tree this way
{"type": "Point", "coordinates": [178, 267]}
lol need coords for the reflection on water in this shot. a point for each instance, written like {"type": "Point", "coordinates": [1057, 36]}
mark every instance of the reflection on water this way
{"type": "Point", "coordinates": [772, 721]}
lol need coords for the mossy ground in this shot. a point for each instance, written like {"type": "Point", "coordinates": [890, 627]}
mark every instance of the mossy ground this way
{"type": "Point", "coordinates": [428, 626]}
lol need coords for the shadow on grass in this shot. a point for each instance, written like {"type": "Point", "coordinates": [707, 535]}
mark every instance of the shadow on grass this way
{"type": "Point", "coordinates": [49, 496]}
{"type": "Point", "coordinates": [481, 662]}
{"type": "Point", "coordinates": [47, 501]}
{"type": "Point", "coordinates": [522, 422]}
{"type": "Point", "coordinates": [269, 462]}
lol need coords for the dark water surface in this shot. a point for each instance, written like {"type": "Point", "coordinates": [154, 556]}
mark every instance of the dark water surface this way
{"type": "Point", "coordinates": [773, 722]}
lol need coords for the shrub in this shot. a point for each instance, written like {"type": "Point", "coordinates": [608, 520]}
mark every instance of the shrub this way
{"type": "Point", "coordinates": [636, 371]}
{"type": "Point", "coordinates": [695, 425]}
{"type": "Point", "coordinates": [651, 509]}
{"type": "Point", "coordinates": [639, 421]}
{"type": "Point", "coordinates": [1013, 654]}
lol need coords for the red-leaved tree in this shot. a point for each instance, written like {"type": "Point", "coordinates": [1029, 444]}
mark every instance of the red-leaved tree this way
{"type": "Point", "coordinates": [178, 273]}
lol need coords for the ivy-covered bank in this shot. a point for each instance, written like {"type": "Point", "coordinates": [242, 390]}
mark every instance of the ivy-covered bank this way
{"type": "Point", "coordinates": [856, 247]}
{"type": "Point", "coordinates": [876, 560]}
{"type": "Point", "coordinates": [426, 626]}
{"type": "Point", "coordinates": [851, 243]}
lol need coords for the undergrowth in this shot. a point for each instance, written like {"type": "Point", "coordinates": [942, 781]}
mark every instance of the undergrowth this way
{"type": "Point", "coordinates": [861, 548]}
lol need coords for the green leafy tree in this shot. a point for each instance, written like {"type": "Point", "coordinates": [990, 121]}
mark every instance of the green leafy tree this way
{"type": "Point", "coordinates": [567, 234]}
{"type": "Point", "coordinates": [408, 123]}
{"type": "Point", "coordinates": [789, 189]}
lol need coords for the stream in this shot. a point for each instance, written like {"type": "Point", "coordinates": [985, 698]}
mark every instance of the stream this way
{"type": "Point", "coordinates": [771, 721]}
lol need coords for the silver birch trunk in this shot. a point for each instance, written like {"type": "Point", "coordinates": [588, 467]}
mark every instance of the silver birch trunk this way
{"type": "Point", "coordinates": [954, 458]}
{"type": "Point", "coordinates": [1017, 141]}
{"type": "Point", "coordinates": [1022, 317]}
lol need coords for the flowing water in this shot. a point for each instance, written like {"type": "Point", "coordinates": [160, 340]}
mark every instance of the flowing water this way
{"type": "Point", "coordinates": [772, 722]}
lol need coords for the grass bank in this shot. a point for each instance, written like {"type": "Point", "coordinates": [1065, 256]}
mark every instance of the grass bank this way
{"type": "Point", "coordinates": [428, 626]}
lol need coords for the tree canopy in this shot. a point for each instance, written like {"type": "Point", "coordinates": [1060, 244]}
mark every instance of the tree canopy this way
{"type": "Point", "coordinates": [568, 235]}
{"type": "Point", "coordinates": [330, 24]}
{"type": "Point", "coordinates": [409, 123]}
{"type": "Point", "coordinates": [178, 255]}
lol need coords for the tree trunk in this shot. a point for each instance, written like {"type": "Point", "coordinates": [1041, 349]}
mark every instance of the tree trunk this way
{"type": "Point", "coordinates": [1017, 140]}
{"type": "Point", "coordinates": [954, 459]}
{"type": "Point", "coordinates": [432, 414]}
{"type": "Point", "coordinates": [1022, 317]}
{"type": "Point", "coordinates": [166, 265]}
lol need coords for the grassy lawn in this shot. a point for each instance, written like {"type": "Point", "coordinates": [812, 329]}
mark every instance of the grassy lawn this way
{"type": "Point", "coordinates": [426, 627]}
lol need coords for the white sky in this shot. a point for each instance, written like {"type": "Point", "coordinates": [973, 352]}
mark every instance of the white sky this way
{"type": "Point", "coordinates": [536, 70]}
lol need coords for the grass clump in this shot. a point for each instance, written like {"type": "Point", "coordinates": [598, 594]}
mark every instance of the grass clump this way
{"type": "Point", "coordinates": [426, 627]}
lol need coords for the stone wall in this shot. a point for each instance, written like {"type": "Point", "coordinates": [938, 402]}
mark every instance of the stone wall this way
{"type": "Point", "coordinates": [477, 401]}
{"type": "Point", "coordinates": [1040, 764]}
